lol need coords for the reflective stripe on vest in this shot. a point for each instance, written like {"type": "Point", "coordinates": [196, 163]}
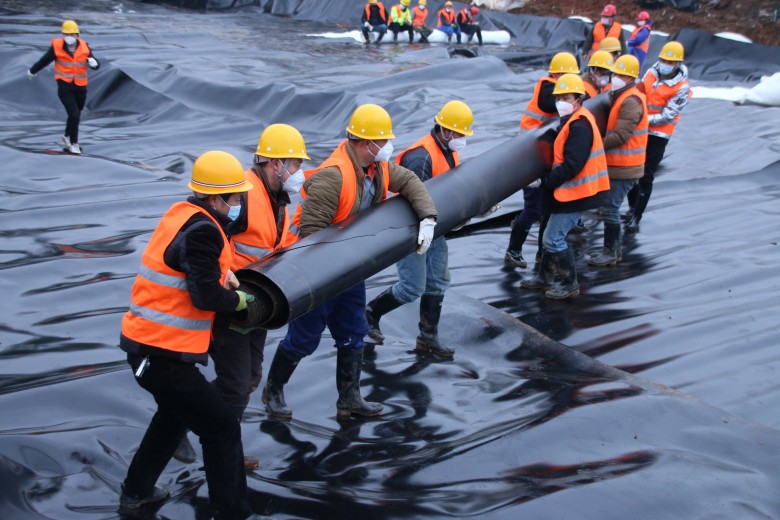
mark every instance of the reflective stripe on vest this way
{"type": "Point", "coordinates": [632, 152]}
{"type": "Point", "coordinates": [657, 97]}
{"type": "Point", "coordinates": [260, 237]}
{"type": "Point", "coordinates": [72, 69]}
{"type": "Point", "coordinates": [645, 45]}
{"type": "Point", "coordinates": [418, 16]}
{"type": "Point", "coordinates": [439, 162]}
{"type": "Point", "coordinates": [533, 116]}
{"type": "Point", "coordinates": [599, 34]}
{"type": "Point", "coordinates": [593, 177]}
{"type": "Point", "coordinates": [161, 312]}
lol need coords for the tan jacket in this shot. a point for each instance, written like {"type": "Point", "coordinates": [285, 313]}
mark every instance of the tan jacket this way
{"type": "Point", "coordinates": [629, 116]}
{"type": "Point", "coordinates": [324, 188]}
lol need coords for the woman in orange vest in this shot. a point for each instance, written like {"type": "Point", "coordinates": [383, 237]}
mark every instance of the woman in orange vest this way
{"type": "Point", "coordinates": [183, 281]}
{"type": "Point", "coordinates": [639, 41]}
{"type": "Point", "coordinates": [606, 27]}
{"type": "Point", "coordinates": [625, 145]}
{"type": "Point", "coordinates": [574, 184]}
{"type": "Point", "coordinates": [71, 56]}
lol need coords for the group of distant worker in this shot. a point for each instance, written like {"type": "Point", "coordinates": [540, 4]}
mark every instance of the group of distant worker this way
{"type": "Point", "coordinates": [186, 303]}
{"type": "Point", "coordinates": [402, 18]}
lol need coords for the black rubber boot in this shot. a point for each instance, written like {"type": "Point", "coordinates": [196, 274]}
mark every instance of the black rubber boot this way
{"type": "Point", "coordinates": [377, 308]}
{"type": "Point", "coordinates": [129, 504]}
{"type": "Point", "coordinates": [514, 256]}
{"type": "Point", "coordinates": [395, 37]}
{"type": "Point", "coordinates": [568, 272]}
{"type": "Point", "coordinates": [279, 374]}
{"type": "Point", "coordinates": [479, 36]}
{"type": "Point", "coordinates": [430, 314]}
{"type": "Point", "coordinates": [379, 38]}
{"type": "Point", "coordinates": [348, 365]}
{"type": "Point", "coordinates": [610, 253]}
{"type": "Point", "coordinates": [458, 35]}
{"type": "Point", "coordinates": [640, 204]}
{"type": "Point", "coordinates": [184, 451]}
{"type": "Point", "coordinates": [545, 274]}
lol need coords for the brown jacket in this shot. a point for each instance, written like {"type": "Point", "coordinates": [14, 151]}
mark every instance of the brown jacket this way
{"type": "Point", "coordinates": [324, 188]}
{"type": "Point", "coordinates": [629, 116]}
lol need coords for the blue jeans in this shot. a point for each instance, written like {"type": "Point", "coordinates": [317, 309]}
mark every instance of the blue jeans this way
{"type": "Point", "coordinates": [423, 274]}
{"type": "Point", "coordinates": [345, 317]}
{"type": "Point", "coordinates": [448, 30]}
{"type": "Point", "coordinates": [618, 188]}
{"type": "Point", "coordinates": [558, 226]}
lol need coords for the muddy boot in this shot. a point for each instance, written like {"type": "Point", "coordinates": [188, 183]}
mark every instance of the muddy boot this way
{"type": "Point", "coordinates": [640, 204]}
{"type": "Point", "coordinates": [610, 254]}
{"type": "Point", "coordinates": [428, 340]}
{"type": "Point", "coordinates": [513, 256]}
{"type": "Point", "coordinates": [566, 269]}
{"type": "Point", "coordinates": [545, 274]}
{"type": "Point", "coordinates": [184, 451]}
{"type": "Point", "coordinates": [377, 308]}
{"type": "Point", "coordinates": [279, 374]}
{"type": "Point", "coordinates": [348, 365]}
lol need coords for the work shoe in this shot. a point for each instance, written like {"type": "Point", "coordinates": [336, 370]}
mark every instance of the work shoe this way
{"type": "Point", "coordinates": [543, 280]}
{"type": "Point", "coordinates": [568, 288]}
{"type": "Point", "coordinates": [75, 149]}
{"type": "Point", "coordinates": [131, 503]}
{"type": "Point", "coordinates": [184, 451]}
{"type": "Point", "coordinates": [611, 253]}
{"type": "Point", "coordinates": [348, 365]}
{"type": "Point", "coordinates": [251, 463]}
{"type": "Point", "coordinates": [282, 367]}
{"type": "Point", "coordinates": [515, 259]}
{"type": "Point", "coordinates": [430, 314]}
{"type": "Point", "coordinates": [377, 308]}
{"type": "Point", "coordinates": [66, 141]}
{"type": "Point", "coordinates": [632, 226]}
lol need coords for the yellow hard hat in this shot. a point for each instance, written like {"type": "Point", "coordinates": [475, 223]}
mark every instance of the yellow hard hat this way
{"type": "Point", "coordinates": [610, 44]}
{"type": "Point", "coordinates": [672, 51]}
{"type": "Point", "coordinates": [627, 65]}
{"type": "Point", "coordinates": [371, 122]}
{"type": "Point", "coordinates": [602, 60]}
{"type": "Point", "coordinates": [281, 141]}
{"type": "Point", "coordinates": [70, 27]}
{"type": "Point", "coordinates": [218, 172]}
{"type": "Point", "coordinates": [405, 3]}
{"type": "Point", "coordinates": [371, 1]}
{"type": "Point", "coordinates": [563, 62]}
{"type": "Point", "coordinates": [422, 2]}
{"type": "Point", "coordinates": [447, 4]}
{"type": "Point", "coordinates": [456, 116]}
{"type": "Point", "coordinates": [569, 84]}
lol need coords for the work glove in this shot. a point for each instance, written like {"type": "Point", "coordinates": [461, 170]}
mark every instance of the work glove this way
{"type": "Point", "coordinates": [231, 282]}
{"type": "Point", "coordinates": [92, 62]}
{"type": "Point", "coordinates": [490, 211]}
{"type": "Point", "coordinates": [30, 75]}
{"type": "Point", "coordinates": [367, 25]}
{"type": "Point", "coordinates": [454, 25]}
{"type": "Point", "coordinates": [243, 300]}
{"type": "Point", "coordinates": [425, 235]}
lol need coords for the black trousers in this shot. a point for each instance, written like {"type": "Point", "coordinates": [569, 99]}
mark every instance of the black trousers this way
{"type": "Point", "coordinates": [73, 98]}
{"type": "Point", "coordinates": [396, 28]}
{"type": "Point", "coordinates": [656, 147]}
{"type": "Point", "coordinates": [185, 400]}
{"type": "Point", "coordinates": [471, 29]}
{"type": "Point", "coordinates": [238, 362]}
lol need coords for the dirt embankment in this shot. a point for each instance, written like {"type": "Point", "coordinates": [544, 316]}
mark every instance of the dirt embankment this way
{"type": "Point", "coordinates": [751, 18]}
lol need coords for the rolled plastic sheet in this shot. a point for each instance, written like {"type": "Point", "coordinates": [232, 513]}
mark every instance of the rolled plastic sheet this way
{"type": "Point", "coordinates": [292, 282]}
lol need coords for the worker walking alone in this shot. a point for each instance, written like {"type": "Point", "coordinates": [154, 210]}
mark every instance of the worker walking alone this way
{"type": "Point", "coordinates": [182, 283]}
{"type": "Point", "coordinates": [426, 276]}
{"type": "Point", "coordinates": [639, 42]}
{"type": "Point", "coordinates": [355, 177]}
{"type": "Point", "coordinates": [71, 56]}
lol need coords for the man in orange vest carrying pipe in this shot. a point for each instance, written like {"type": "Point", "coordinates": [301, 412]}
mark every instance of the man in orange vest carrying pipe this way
{"type": "Point", "coordinates": [596, 78]}
{"type": "Point", "coordinates": [539, 110]}
{"type": "Point", "coordinates": [419, 15]}
{"type": "Point", "coordinates": [606, 27]}
{"type": "Point", "coordinates": [183, 281]}
{"type": "Point", "coordinates": [446, 21]}
{"type": "Point", "coordinates": [624, 145]}
{"type": "Point", "coordinates": [639, 41]}
{"type": "Point", "coordinates": [354, 178]}
{"type": "Point", "coordinates": [374, 19]}
{"type": "Point", "coordinates": [71, 56]}
{"type": "Point", "coordinates": [666, 87]}
{"type": "Point", "coordinates": [426, 276]}
{"type": "Point", "coordinates": [574, 184]}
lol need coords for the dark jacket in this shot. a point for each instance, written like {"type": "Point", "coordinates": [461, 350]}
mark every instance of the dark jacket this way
{"type": "Point", "coordinates": [375, 18]}
{"type": "Point", "coordinates": [49, 57]}
{"type": "Point", "coordinates": [418, 159]}
{"type": "Point", "coordinates": [546, 100]}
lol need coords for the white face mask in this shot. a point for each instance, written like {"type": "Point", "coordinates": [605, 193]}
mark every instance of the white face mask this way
{"type": "Point", "coordinates": [665, 69]}
{"type": "Point", "coordinates": [618, 83]}
{"type": "Point", "coordinates": [457, 144]}
{"type": "Point", "coordinates": [640, 23]}
{"type": "Point", "coordinates": [384, 153]}
{"type": "Point", "coordinates": [294, 182]}
{"type": "Point", "coordinates": [602, 81]}
{"type": "Point", "coordinates": [70, 40]}
{"type": "Point", "coordinates": [564, 108]}
{"type": "Point", "coordinates": [605, 21]}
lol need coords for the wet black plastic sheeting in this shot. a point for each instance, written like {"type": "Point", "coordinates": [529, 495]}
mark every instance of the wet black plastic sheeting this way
{"type": "Point", "coordinates": [518, 425]}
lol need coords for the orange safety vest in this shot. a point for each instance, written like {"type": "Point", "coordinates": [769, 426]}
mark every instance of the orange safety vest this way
{"type": "Point", "coordinates": [644, 46]}
{"type": "Point", "coordinates": [449, 17]}
{"type": "Point", "coordinates": [599, 34]}
{"type": "Point", "coordinates": [381, 11]}
{"type": "Point", "coordinates": [72, 69]}
{"type": "Point", "coordinates": [632, 152]}
{"type": "Point", "coordinates": [260, 238]}
{"type": "Point", "coordinates": [533, 116]}
{"type": "Point", "coordinates": [161, 311]}
{"type": "Point", "coordinates": [465, 16]}
{"type": "Point", "coordinates": [340, 159]}
{"type": "Point", "coordinates": [399, 15]}
{"type": "Point", "coordinates": [439, 163]}
{"type": "Point", "coordinates": [593, 177]}
{"type": "Point", "coordinates": [656, 101]}
{"type": "Point", "coordinates": [418, 16]}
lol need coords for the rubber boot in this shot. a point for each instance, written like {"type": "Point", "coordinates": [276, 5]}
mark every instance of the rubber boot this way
{"type": "Point", "coordinates": [279, 374]}
{"type": "Point", "coordinates": [348, 365]}
{"type": "Point", "coordinates": [377, 308]}
{"type": "Point", "coordinates": [543, 280]}
{"type": "Point", "coordinates": [184, 451]}
{"type": "Point", "coordinates": [610, 253]}
{"type": "Point", "coordinates": [640, 204]}
{"type": "Point", "coordinates": [379, 38]}
{"type": "Point", "coordinates": [430, 314]}
{"type": "Point", "coordinates": [458, 37]}
{"type": "Point", "coordinates": [514, 256]}
{"type": "Point", "coordinates": [479, 36]}
{"type": "Point", "coordinates": [395, 37]}
{"type": "Point", "coordinates": [568, 287]}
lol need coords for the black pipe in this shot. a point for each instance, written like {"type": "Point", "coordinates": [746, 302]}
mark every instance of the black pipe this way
{"type": "Point", "coordinates": [293, 281]}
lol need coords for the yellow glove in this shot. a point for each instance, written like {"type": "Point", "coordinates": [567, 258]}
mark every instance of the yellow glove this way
{"type": "Point", "coordinates": [243, 300]}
